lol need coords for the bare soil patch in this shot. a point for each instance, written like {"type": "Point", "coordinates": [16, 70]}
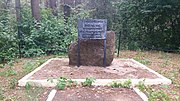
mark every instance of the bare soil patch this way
{"type": "Point", "coordinates": [98, 93]}
{"type": "Point", "coordinates": [120, 69]}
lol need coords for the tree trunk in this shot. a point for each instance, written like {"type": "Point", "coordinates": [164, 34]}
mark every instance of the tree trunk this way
{"type": "Point", "coordinates": [18, 7]}
{"type": "Point", "coordinates": [53, 6]}
{"type": "Point", "coordinates": [18, 17]}
{"type": "Point", "coordinates": [35, 9]}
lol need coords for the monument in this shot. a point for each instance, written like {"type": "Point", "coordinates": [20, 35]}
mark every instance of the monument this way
{"type": "Point", "coordinates": [95, 46]}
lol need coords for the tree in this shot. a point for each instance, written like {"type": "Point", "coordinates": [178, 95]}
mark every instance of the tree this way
{"type": "Point", "coordinates": [35, 9]}
{"type": "Point", "coordinates": [53, 6]}
{"type": "Point", "coordinates": [18, 17]}
{"type": "Point", "coordinates": [18, 6]}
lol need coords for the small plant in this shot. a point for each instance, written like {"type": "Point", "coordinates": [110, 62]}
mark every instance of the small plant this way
{"type": "Point", "coordinates": [71, 83]}
{"type": "Point", "coordinates": [141, 86]}
{"type": "Point", "coordinates": [152, 94]}
{"type": "Point", "coordinates": [158, 95]}
{"type": "Point", "coordinates": [63, 82]}
{"type": "Point", "coordinates": [126, 84]}
{"type": "Point", "coordinates": [88, 82]}
{"type": "Point", "coordinates": [27, 86]}
{"type": "Point", "coordinates": [13, 82]}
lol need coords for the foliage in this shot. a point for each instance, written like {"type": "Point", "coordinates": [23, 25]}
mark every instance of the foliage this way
{"type": "Point", "coordinates": [64, 82]}
{"type": "Point", "coordinates": [8, 45]}
{"type": "Point", "coordinates": [139, 24]}
{"type": "Point", "coordinates": [61, 83]}
{"type": "Point", "coordinates": [32, 93]}
{"type": "Point", "coordinates": [13, 83]}
{"type": "Point", "coordinates": [125, 84]}
{"type": "Point", "coordinates": [153, 95]}
{"type": "Point", "coordinates": [88, 82]}
{"type": "Point", "coordinates": [148, 24]}
{"type": "Point", "coordinates": [140, 58]}
{"type": "Point", "coordinates": [1, 94]}
{"type": "Point", "coordinates": [8, 72]}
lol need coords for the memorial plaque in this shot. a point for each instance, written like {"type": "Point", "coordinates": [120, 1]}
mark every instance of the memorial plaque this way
{"type": "Point", "coordinates": [92, 28]}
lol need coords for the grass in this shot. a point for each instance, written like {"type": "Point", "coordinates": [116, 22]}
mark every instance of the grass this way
{"type": "Point", "coordinates": [152, 94]}
{"type": "Point", "coordinates": [167, 64]}
{"type": "Point", "coordinates": [12, 72]}
{"type": "Point", "coordinates": [32, 92]}
{"type": "Point", "coordinates": [1, 93]}
{"type": "Point", "coordinates": [125, 84]}
{"type": "Point", "coordinates": [8, 72]}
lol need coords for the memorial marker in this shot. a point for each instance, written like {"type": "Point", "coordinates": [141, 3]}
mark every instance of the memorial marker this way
{"type": "Point", "coordinates": [91, 29]}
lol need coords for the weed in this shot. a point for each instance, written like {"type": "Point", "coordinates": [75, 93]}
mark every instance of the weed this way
{"type": "Point", "coordinates": [10, 63]}
{"type": "Point", "coordinates": [88, 82]}
{"type": "Point", "coordinates": [9, 72]}
{"type": "Point", "coordinates": [29, 66]}
{"type": "Point", "coordinates": [165, 86]}
{"type": "Point", "coordinates": [165, 63]}
{"type": "Point", "coordinates": [126, 84]}
{"type": "Point", "coordinates": [71, 83]}
{"type": "Point", "coordinates": [158, 95]}
{"type": "Point", "coordinates": [27, 86]}
{"type": "Point", "coordinates": [63, 82]}
{"type": "Point", "coordinates": [143, 61]}
{"type": "Point", "coordinates": [140, 58]}
{"type": "Point", "coordinates": [13, 83]}
{"type": "Point", "coordinates": [32, 93]}
{"type": "Point", "coordinates": [1, 94]}
{"type": "Point", "coordinates": [153, 95]}
{"type": "Point", "coordinates": [141, 86]}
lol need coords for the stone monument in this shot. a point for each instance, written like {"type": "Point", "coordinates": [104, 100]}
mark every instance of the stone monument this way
{"type": "Point", "coordinates": [92, 48]}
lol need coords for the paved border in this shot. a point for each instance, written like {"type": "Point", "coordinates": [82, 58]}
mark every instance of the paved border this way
{"type": "Point", "coordinates": [136, 90]}
{"type": "Point", "coordinates": [160, 80]}
{"type": "Point", "coordinates": [99, 82]}
{"type": "Point", "coordinates": [141, 94]}
{"type": "Point", "coordinates": [51, 95]}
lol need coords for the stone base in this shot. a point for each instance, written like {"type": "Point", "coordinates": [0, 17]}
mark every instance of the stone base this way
{"type": "Point", "coordinates": [92, 51]}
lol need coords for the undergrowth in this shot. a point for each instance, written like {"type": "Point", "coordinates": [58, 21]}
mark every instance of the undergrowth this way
{"type": "Point", "coordinates": [153, 95]}
{"type": "Point", "coordinates": [125, 84]}
{"type": "Point", "coordinates": [88, 82]}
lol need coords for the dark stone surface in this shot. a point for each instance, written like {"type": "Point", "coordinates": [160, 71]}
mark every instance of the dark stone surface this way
{"type": "Point", "coordinates": [92, 51]}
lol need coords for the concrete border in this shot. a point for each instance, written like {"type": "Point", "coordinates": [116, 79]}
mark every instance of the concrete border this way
{"type": "Point", "coordinates": [141, 94]}
{"type": "Point", "coordinates": [136, 90]}
{"type": "Point", "coordinates": [45, 83]}
{"type": "Point", "coordinates": [98, 82]}
{"type": "Point", "coordinates": [51, 95]}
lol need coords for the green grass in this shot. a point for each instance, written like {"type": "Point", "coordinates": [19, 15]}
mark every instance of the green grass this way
{"type": "Point", "coordinates": [153, 95]}
{"type": "Point", "coordinates": [125, 84]}
{"type": "Point", "coordinates": [8, 72]}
